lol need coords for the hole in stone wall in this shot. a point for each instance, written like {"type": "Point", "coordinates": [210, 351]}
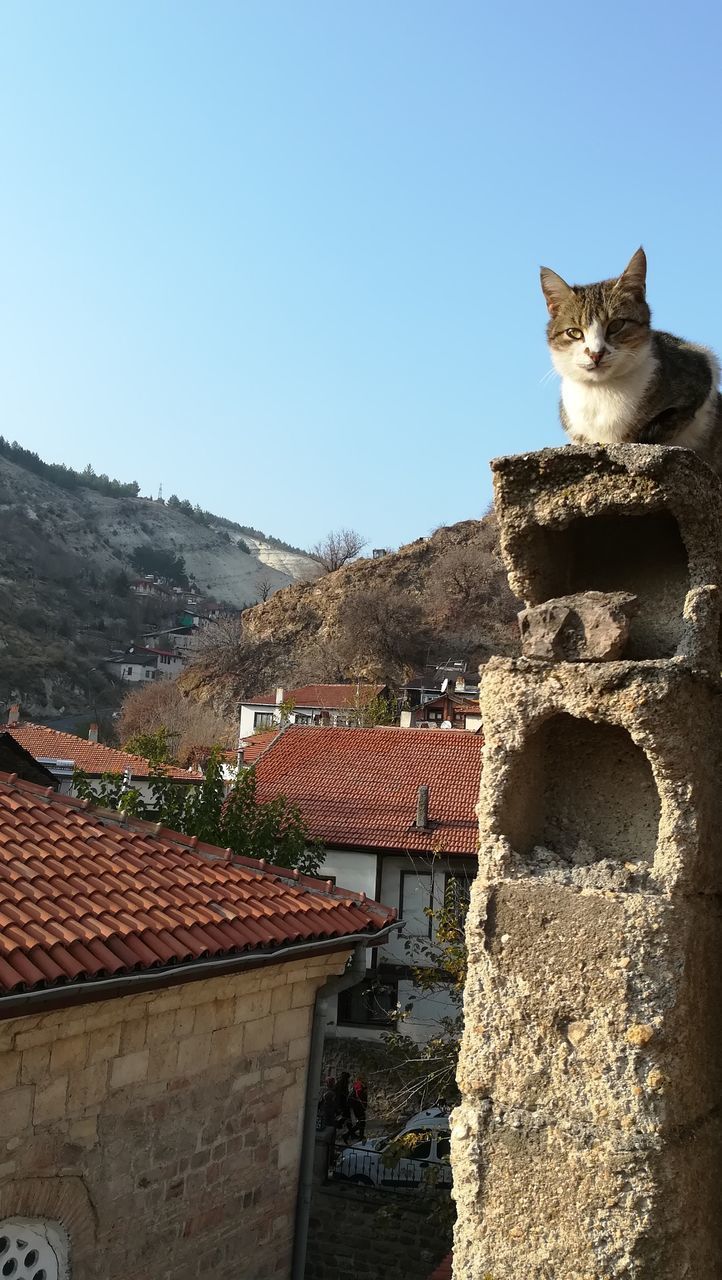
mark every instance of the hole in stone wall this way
{"type": "Point", "coordinates": [583, 791]}
{"type": "Point", "coordinates": [639, 553]}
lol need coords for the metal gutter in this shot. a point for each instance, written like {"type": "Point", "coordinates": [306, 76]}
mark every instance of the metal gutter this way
{"type": "Point", "coordinates": [17, 1004]}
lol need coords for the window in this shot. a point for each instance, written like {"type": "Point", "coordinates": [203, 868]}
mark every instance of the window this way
{"type": "Point", "coordinates": [263, 720]}
{"type": "Point", "coordinates": [443, 1148]}
{"type": "Point", "coordinates": [371, 1002]}
{"type": "Point", "coordinates": [421, 1150]}
{"type": "Point", "coordinates": [415, 905]}
{"type": "Point", "coordinates": [299, 718]}
{"type": "Point", "coordinates": [32, 1250]}
{"type": "Point", "coordinates": [129, 671]}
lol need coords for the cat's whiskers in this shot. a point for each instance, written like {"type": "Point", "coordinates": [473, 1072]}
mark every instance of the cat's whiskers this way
{"type": "Point", "coordinates": [546, 376]}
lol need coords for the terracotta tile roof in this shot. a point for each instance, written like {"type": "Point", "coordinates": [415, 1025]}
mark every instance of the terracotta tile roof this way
{"type": "Point", "coordinates": [358, 787]}
{"type": "Point", "coordinates": [326, 697]}
{"type": "Point", "coordinates": [91, 757]}
{"type": "Point", "coordinates": [257, 743]}
{"type": "Point", "coordinates": [83, 895]}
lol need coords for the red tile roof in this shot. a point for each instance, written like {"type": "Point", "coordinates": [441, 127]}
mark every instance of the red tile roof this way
{"type": "Point", "coordinates": [83, 895]}
{"type": "Point", "coordinates": [91, 757]}
{"type": "Point", "coordinates": [358, 787]}
{"type": "Point", "coordinates": [257, 743]}
{"type": "Point", "coordinates": [325, 697]}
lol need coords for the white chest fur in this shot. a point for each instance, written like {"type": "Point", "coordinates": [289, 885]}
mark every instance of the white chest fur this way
{"type": "Point", "coordinates": [602, 412]}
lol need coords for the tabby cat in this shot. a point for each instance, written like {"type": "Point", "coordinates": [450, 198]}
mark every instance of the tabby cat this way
{"type": "Point", "coordinates": [623, 381]}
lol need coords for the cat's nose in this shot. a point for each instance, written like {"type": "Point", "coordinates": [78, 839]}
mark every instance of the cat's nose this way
{"type": "Point", "coordinates": [596, 356]}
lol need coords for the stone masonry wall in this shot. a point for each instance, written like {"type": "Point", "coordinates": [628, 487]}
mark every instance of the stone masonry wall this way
{"type": "Point", "coordinates": [588, 1144]}
{"type": "Point", "coordinates": [375, 1235]}
{"type": "Point", "coordinates": [164, 1130]}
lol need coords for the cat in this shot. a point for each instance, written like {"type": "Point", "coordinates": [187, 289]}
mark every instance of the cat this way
{"type": "Point", "coordinates": [622, 381]}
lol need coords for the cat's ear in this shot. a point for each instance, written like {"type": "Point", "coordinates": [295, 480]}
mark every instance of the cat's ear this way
{"type": "Point", "coordinates": [555, 289]}
{"type": "Point", "coordinates": [634, 276]}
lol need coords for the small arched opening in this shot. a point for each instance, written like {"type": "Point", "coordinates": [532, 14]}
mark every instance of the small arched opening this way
{"type": "Point", "coordinates": [642, 553]}
{"type": "Point", "coordinates": [584, 791]}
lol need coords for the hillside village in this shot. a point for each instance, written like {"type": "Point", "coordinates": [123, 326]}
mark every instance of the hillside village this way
{"type": "Point", "coordinates": [231, 985]}
{"type": "Point", "coordinates": [234, 737]}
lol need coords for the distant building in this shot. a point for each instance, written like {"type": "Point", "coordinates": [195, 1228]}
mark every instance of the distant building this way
{"type": "Point", "coordinates": [140, 664]}
{"type": "Point", "coordinates": [395, 810]}
{"type": "Point", "coordinates": [320, 704]}
{"type": "Point", "coordinates": [63, 753]}
{"type": "Point", "coordinates": [451, 710]}
{"type": "Point", "coordinates": [434, 681]}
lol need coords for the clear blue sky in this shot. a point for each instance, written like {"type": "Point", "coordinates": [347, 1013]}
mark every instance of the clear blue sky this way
{"type": "Point", "coordinates": [284, 256]}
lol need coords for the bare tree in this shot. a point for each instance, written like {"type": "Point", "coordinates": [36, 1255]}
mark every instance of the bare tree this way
{"type": "Point", "coordinates": [382, 633]}
{"type": "Point", "coordinates": [191, 726]}
{"type": "Point", "coordinates": [264, 586]}
{"type": "Point", "coordinates": [337, 548]}
{"type": "Point", "coordinates": [230, 664]}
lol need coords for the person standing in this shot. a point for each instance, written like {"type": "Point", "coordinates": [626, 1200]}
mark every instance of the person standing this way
{"type": "Point", "coordinates": [342, 1099]}
{"type": "Point", "coordinates": [358, 1098]}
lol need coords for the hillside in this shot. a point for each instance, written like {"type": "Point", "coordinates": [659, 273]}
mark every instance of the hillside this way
{"type": "Point", "coordinates": [66, 561]}
{"type": "Point", "coordinates": [439, 598]}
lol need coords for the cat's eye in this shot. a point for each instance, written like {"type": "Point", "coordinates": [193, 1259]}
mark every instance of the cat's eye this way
{"type": "Point", "coordinates": [576, 334]}
{"type": "Point", "coordinates": [615, 327]}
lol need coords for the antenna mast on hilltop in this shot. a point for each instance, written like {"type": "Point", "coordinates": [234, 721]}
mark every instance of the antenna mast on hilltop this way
{"type": "Point", "coordinates": [160, 491]}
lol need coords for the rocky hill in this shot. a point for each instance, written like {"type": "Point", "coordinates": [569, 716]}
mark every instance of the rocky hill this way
{"type": "Point", "coordinates": [439, 598]}
{"type": "Point", "coordinates": [67, 556]}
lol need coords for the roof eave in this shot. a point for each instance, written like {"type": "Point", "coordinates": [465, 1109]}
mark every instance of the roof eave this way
{"type": "Point", "coordinates": [67, 995]}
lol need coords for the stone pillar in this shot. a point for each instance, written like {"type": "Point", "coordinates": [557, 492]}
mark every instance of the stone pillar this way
{"type": "Point", "coordinates": [588, 1144]}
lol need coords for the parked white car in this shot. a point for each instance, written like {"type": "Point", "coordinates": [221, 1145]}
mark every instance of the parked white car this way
{"type": "Point", "coordinates": [416, 1156]}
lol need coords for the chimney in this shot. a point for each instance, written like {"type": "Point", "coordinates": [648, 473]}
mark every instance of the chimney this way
{"type": "Point", "coordinates": [14, 713]}
{"type": "Point", "coordinates": [422, 809]}
{"type": "Point", "coordinates": [279, 696]}
{"type": "Point", "coordinates": [92, 733]}
{"type": "Point", "coordinates": [460, 684]}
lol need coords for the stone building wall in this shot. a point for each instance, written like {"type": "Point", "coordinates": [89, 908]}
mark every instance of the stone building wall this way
{"type": "Point", "coordinates": [164, 1130]}
{"type": "Point", "coordinates": [375, 1235]}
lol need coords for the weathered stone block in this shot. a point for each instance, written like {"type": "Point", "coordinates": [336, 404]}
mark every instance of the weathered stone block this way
{"type": "Point", "coordinates": [593, 626]}
{"type": "Point", "coordinates": [70, 1053]}
{"type": "Point", "coordinates": [130, 1069]}
{"type": "Point", "coordinates": [638, 518]}
{"type": "Point", "coordinates": [590, 770]}
{"type": "Point", "coordinates": [15, 1111]}
{"type": "Point", "coordinates": [560, 1200]}
{"type": "Point", "coordinates": [605, 1000]}
{"type": "Point", "coordinates": [50, 1101]}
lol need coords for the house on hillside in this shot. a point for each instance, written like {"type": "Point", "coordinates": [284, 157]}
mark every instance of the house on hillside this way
{"type": "Point", "coordinates": [132, 668]}
{"type": "Point", "coordinates": [151, 587]}
{"type": "Point", "coordinates": [328, 704]}
{"type": "Point", "coordinates": [139, 664]}
{"type": "Point", "coordinates": [395, 810]}
{"type": "Point", "coordinates": [181, 639]}
{"type": "Point", "coordinates": [158, 1046]}
{"type": "Point", "coordinates": [63, 753]}
{"type": "Point", "coordinates": [450, 710]}
{"type": "Point", "coordinates": [434, 681]}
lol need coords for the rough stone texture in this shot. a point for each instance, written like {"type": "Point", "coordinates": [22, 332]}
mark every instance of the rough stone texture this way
{"type": "Point", "coordinates": [163, 1130]}
{"type": "Point", "coordinates": [588, 1145]}
{"type": "Point", "coordinates": [374, 1235]}
{"type": "Point", "coordinates": [637, 518]}
{"type": "Point", "coordinates": [591, 626]}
